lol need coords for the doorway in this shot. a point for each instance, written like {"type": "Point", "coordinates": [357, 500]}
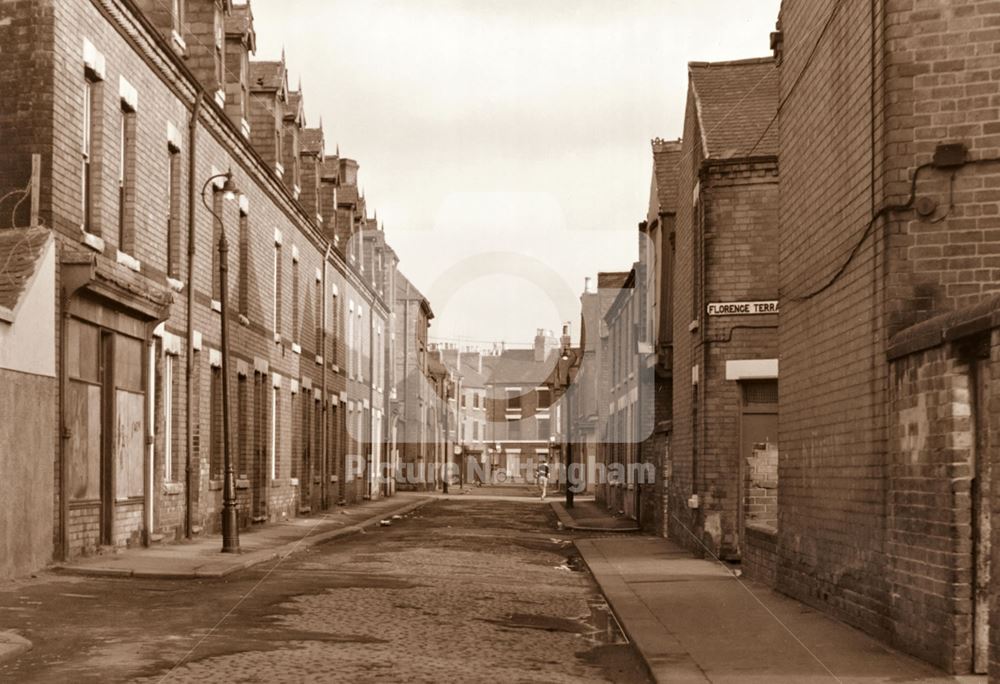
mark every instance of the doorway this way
{"type": "Point", "coordinates": [757, 493]}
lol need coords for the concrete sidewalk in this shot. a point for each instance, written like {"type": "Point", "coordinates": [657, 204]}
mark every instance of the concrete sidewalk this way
{"type": "Point", "coordinates": [202, 558]}
{"type": "Point", "coordinates": [587, 516]}
{"type": "Point", "coordinates": [694, 621]}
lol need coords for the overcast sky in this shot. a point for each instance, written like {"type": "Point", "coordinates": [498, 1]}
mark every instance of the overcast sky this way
{"type": "Point", "coordinates": [504, 143]}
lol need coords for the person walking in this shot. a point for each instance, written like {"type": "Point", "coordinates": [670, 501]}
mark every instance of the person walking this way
{"type": "Point", "coordinates": [542, 477]}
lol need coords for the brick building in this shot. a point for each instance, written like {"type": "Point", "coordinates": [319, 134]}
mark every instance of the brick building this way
{"type": "Point", "coordinates": [594, 377]}
{"type": "Point", "coordinates": [415, 402]}
{"type": "Point", "coordinates": [135, 106]}
{"type": "Point", "coordinates": [889, 249]}
{"type": "Point", "coordinates": [655, 270]}
{"type": "Point", "coordinates": [519, 406]}
{"type": "Point", "coordinates": [724, 300]}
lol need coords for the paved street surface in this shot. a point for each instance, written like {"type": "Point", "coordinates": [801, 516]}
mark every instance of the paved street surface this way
{"type": "Point", "coordinates": [459, 590]}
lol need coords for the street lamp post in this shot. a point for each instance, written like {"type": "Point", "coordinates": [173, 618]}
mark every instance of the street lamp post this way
{"type": "Point", "coordinates": [570, 357]}
{"type": "Point", "coordinates": [230, 529]}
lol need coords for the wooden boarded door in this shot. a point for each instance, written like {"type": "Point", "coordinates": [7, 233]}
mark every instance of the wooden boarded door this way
{"type": "Point", "coordinates": [84, 412]}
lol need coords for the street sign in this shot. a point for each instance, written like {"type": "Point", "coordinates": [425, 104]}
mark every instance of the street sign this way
{"type": "Point", "coordinates": [742, 308]}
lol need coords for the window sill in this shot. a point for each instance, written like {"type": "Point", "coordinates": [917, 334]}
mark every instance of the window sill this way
{"type": "Point", "coordinates": [173, 488]}
{"type": "Point", "coordinates": [296, 347]}
{"type": "Point", "coordinates": [214, 485]}
{"type": "Point", "coordinates": [693, 325]}
{"type": "Point", "coordinates": [175, 285]}
{"type": "Point", "coordinates": [294, 482]}
{"type": "Point", "coordinates": [128, 261]}
{"type": "Point", "coordinates": [243, 483]}
{"type": "Point", "coordinates": [277, 338]}
{"type": "Point", "coordinates": [216, 306]}
{"type": "Point", "coordinates": [319, 360]}
{"type": "Point", "coordinates": [95, 242]}
{"type": "Point", "coordinates": [244, 321]}
{"type": "Point", "coordinates": [178, 41]}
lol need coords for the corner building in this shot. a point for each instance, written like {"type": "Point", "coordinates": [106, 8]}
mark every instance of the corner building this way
{"type": "Point", "coordinates": [889, 257]}
{"type": "Point", "coordinates": [725, 366]}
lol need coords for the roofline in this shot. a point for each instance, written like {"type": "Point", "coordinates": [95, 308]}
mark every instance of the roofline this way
{"type": "Point", "coordinates": [735, 62]}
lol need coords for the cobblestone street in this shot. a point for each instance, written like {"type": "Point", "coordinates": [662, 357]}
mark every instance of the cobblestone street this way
{"type": "Point", "coordinates": [469, 590]}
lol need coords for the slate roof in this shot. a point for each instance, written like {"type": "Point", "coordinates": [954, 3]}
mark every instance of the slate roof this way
{"type": "Point", "coordinates": [347, 195]}
{"type": "Point", "coordinates": [20, 251]}
{"type": "Point", "coordinates": [239, 22]}
{"type": "Point", "coordinates": [293, 107]}
{"type": "Point", "coordinates": [311, 140]}
{"type": "Point", "coordinates": [736, 104]}
{"type": "Point", "coordinates": [518, 367]}
{"type": "Point", "coordinates": [267, 75]}
{"type": "Point", "coordinates": [611, 280]}
{"type": "Point", "coordinates": [666, 166]}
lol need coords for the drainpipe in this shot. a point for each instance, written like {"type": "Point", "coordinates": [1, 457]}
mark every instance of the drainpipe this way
{"type": "Point", "coordinates": [189, 473]}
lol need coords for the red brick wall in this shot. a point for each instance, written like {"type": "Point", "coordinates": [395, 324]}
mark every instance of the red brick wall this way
{"type": "Point", "coordinates": [737, 201]}
{"type": "Point", "coordinates": [855, 520]}
{"type": "Point", "coordinates": [832, 396]}
{"type": "Point", "coordinates": [49, 120]}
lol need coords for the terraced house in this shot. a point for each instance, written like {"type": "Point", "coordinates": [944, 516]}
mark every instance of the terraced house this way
{"type": "Point", "coordinates": [136, 112]}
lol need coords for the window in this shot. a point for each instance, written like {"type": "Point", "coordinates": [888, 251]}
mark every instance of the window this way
{"type": "Point", "coordinates": [126, 179]}
{"type": "Point", "coordinates": [244, 295]}
{"type": "Point", "coordinates": [220, 52]}
{"type": "Point", "coordinates": [513, 398]}
{"type": "Point", "coordinates": [168, 418]}
{"type": "Point", "coordinates": [318, 317]}
{"type": "Point", "coordinates": [241, 455]}
{"type": "Point", "coordinates": [350, 339]}
{"type": "Point", "coordinates": [514, 429]}
{"type": "Point", "coordinates": [173, 212]}
{"type": "Point", "coordinates": [277, 293]}
{"type": "Point", "coordinates": [90, 104]}
{"type": "Point", "coordinates": [475, 401]}
{"type": "Point", "coordinates": [544, 397]}
{"type": "Point", "coordinates": [177, 15]}
{"type": "Point", "coordinates": [475, 431]}
{"type": "Point", "coordinates": [215, 425]}
{"type": "Point", "coordinates": [544, 429]}
{"type": "Point", "coordinates": [277, 147]}
{"type": "Point", "coordinates": [296, 337]}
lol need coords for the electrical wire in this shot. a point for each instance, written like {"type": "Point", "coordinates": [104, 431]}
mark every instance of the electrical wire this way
{"type": "Point", "coordinates": [864, 236]}
{"type": "Point", "coordinates": [798, 77]}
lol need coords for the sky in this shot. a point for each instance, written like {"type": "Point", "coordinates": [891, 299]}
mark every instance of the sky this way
{"type": "Point", "coordinates": [504, 144]}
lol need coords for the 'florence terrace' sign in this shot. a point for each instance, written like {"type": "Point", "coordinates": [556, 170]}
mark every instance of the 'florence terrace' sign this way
{"type": "Point", "coordinates": [742, 308]}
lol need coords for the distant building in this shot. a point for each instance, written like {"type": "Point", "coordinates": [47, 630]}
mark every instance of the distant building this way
{"type": "Point", "coordinates": [518, 407]}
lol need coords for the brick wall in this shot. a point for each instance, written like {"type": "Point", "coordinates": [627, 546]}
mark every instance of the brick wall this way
{"type": "Point", "coordinates": [888, 562]}
{"type": "Point", "coordinates": [52, 124]}
{"type": "Point", "coordinates": [733, 204]}
{"type": "Point", "coordinates": [833, 377]}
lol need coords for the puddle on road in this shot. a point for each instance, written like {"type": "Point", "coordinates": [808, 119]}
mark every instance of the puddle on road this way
{"type": "Point", "coordinates": [599, 628]}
